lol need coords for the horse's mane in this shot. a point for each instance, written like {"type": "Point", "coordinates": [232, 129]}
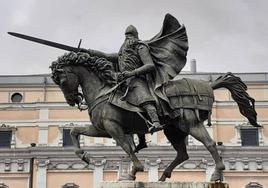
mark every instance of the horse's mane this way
{"type": "Point", "coordinates": [103, 68]}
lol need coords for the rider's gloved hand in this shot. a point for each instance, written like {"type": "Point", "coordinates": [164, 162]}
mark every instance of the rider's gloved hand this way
{"type": "Point", "coordinates": [84, 50]}
{"type": "Point", "coordinates": [124, 75]}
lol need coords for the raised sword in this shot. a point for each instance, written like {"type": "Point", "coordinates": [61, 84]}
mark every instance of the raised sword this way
{"type": "Point", "coordinates": [47, 42]}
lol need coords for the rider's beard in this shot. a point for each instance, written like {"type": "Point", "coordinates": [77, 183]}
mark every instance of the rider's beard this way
{"type": "Point", "coordinates": [129, 42]}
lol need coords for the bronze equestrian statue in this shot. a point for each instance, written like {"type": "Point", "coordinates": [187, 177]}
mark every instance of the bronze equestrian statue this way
{"type": "Point", "coordinates": [123, 90]}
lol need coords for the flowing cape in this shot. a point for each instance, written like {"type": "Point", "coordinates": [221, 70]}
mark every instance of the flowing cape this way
{"type": "Point", "coordinates": [168, 50]}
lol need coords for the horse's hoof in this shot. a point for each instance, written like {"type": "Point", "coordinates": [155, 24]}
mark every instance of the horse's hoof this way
{"type": "Point", "coordinates": [86, 157]}
{"type": "Point", "coordinates": [137, 167]}
{"type": "Point", "coordinates": [162, 178]}
{"type": "Point", "coordinates": [220, 166]}
{"type": "Point", "coordinates": [217, 176]}
{"type": "Point", "coordinates": [79, 152]}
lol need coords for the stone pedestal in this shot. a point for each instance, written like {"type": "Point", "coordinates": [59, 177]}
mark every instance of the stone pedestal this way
{"type": "Point", "coordinates": [135, 184]}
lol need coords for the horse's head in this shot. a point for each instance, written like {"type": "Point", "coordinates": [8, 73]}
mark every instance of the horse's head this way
{"type": "Point", "coordinates": [65, 77]}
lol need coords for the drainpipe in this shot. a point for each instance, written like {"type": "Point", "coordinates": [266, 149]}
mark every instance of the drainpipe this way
{"type": "Point", "coordinates": [31, 168]}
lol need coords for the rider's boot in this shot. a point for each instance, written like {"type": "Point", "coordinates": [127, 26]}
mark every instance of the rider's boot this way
{"type": "Point", "coordinates": [151, 111]}
{"type": "Point", "coordinates": [142, 143]}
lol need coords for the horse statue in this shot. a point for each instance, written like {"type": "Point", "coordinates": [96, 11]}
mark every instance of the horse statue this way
{"type": "Point", "coordinates": [192, 99]}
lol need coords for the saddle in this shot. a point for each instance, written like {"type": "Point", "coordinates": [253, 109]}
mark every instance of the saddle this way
{"type": "Point", "coordinates": [180, 94]}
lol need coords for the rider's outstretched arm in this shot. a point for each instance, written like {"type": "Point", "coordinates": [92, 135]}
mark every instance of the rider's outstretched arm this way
{"type": "Point", "coordinates": [113, 57]}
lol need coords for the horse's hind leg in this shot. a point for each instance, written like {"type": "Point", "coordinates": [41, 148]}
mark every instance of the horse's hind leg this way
{"type": "Point", "coordinates": [200, 133]}
{"type": "Point", "coordinates": [177, 139]}
{"type": "Point", "coordinates": [88, 131]}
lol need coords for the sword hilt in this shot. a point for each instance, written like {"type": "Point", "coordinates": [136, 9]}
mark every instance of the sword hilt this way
{"type": "Point", "coordinates": [79, 44]}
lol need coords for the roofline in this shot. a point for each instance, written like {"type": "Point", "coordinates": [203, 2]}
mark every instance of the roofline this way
{"type": "Point", "coordinates": [45, 79]}
{"type": "Point", "coordinates": [182, 72]}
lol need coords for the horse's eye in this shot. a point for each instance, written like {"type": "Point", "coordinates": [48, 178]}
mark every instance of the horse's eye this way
{"type": "Point", "coordinates": [63, 81]}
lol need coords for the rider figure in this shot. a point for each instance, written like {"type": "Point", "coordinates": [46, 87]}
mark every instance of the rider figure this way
{"type": "Point", "coordinates": [135, 62]}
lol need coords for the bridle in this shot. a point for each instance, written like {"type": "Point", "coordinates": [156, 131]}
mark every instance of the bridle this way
{"type": "Point", "coordinates": [81, 104]}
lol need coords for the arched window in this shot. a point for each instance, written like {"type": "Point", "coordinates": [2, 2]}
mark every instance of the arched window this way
{"type": "Point", "coordinates": [254, 185]}
{"type": "Point", "coordinates": [70, 185]}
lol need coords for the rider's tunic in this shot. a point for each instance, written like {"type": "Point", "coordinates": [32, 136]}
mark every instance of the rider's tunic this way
{"type": "Point", "coordinates": [129, 60]}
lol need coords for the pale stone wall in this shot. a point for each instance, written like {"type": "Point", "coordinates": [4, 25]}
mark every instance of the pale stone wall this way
{"type": "Point", "coordinates": [53, 132]}
{"type": "Point", "coordinates": [19, 114]}
{"type": "Point", "coordinates": [197, 176]}
{"type": "Point", "coordinates": [55, 96]}
{"type": "Point", "coordinates": [4, 97]}
{"type": "Point", "coordinates": [110, 175]}
{"type": "Point", "coordinates": [225, 133]}
{"type": "Point", "coordinates": [58, 179]}
{"type": "Point", "coordinates": [14, 180]}
{"type": "Point", "coordinates": [34, 96]}
{"type": "Point", "coordinates": [43, 113]}
{"type": "Point", "coordinates": [26, 135]}
{"type": "Point", "coordinates": [67, 114]}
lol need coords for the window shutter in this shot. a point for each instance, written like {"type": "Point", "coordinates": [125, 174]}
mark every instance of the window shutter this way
{"type": "Point", "coordinates": [5, 139]}
{"type": "Point", "coordinates": [250, 137]}
{"type": "Point", "coordinates": [67, 141]}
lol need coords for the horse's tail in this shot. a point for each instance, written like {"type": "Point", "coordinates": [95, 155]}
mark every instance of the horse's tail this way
{"type": "Point", "coordinates": [239, 93]}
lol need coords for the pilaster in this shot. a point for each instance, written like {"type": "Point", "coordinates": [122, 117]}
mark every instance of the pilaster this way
{"type": "Point", "coordinates": [153, 165]}
{"type": "Point", "coordinates": [98, 171]}
{"type": "Point", "coordinates": [41, 173]}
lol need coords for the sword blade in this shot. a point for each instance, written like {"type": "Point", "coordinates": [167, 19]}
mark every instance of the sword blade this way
{"type": "Point", "coordinates": [44, 42]}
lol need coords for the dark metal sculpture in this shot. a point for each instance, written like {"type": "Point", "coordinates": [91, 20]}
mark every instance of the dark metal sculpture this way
{"type": "Point", "coordinates": [124, 89]}
{"type": "Point", "coordinates": [191, 99]}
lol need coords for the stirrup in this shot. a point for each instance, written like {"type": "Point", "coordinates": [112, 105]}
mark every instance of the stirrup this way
{"type": "Point", "coordinates": [153, 129]}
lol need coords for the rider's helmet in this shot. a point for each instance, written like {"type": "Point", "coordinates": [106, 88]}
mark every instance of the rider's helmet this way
{"type": "Point", "coordinates": [131, 30]}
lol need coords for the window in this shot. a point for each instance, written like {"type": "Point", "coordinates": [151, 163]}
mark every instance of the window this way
{"type": "Point", "coordinates": [67, 141]}
{"type": "Point", "coordinates": [16, 97]}
{"type": "Point", "coordinates": [249, 137]}
{"type": "Point", "coordinates": [65, 137]}
{"type": "Point", "coordinates": [254, 185]}
{"type": "Point", "coordinates": [70, 185]}
{"type": "Point", "coordinates": [5, 139]}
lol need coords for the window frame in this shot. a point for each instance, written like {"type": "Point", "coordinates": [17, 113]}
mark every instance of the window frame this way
{"type": "Point", "coordinates": [256, 131]}
{"type": "Point", "coordinates": [11, 129]}
{"type": "Point", "coordinates": [70, 126]}
{"type": "Point", "coordinates": [253, 185]}
{"type": "Point", "coordinates": [70, 185]}
{"type": "Point", "coordinates": [64, 144]}
{"type": "Point", "coordinates": [247, 125]}
{"type": "Point", "coordinates": [19, 92]}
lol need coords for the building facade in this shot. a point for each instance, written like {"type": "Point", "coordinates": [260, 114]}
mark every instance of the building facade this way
{"type": "Point", "coordinates": [36, 151]}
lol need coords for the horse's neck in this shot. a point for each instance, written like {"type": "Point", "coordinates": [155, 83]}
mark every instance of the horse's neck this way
{"type": "Point", "coordinates": [91, 85]}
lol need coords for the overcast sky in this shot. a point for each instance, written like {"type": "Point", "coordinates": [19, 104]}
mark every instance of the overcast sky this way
{"type": "Point", "coordinates": [224, 35]}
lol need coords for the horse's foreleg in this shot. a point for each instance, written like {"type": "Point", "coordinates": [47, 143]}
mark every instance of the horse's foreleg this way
{"type": "Point", "coordinates": [200, 133]}
{"type": "Point", "coordinates": [177, 139]}
{"type": "Point", "coordinates": [88, 131]}
{"type": "Point", "coordinates": [116, 132]}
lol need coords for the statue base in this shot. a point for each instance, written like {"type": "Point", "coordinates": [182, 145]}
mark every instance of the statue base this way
{"type": "Point", "coordinates": [136, 184]}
